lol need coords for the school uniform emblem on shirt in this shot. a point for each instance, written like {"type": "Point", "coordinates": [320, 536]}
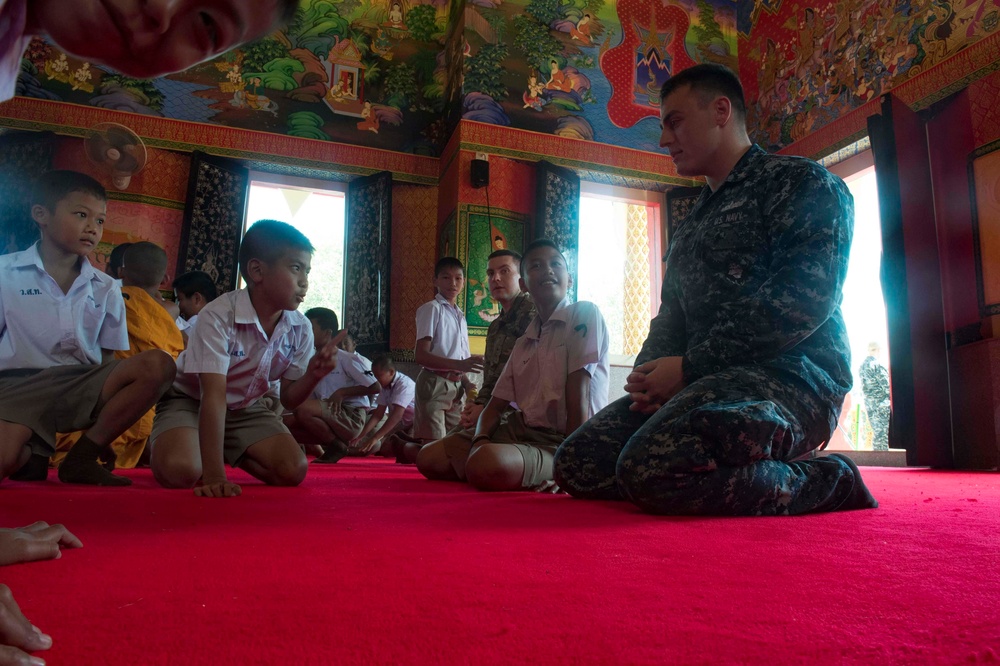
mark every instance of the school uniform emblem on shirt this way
{"type": "Point", "coordinates": [31, 292]}
{"type": "Point", "coordinates": [582, 330]}
{"type": "Point", "coordinates": [238, 353]}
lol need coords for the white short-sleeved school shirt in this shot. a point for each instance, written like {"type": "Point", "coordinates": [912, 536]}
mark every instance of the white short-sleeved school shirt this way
{"type": "Point", "coordinates": [402, 392]}
{"type": "Point", "coordinates": [13, 43]}
{"type": "Point", "coordinates": [574, 337]}
{"type": "Point", "coordinates": [352, 369]}
{"type": "Point", "coordinates": [229, 340]}
{"type": "Point", "coordinates": [444, 324]}
{"type": "Point", "coordinates": [40, 326]}
{"type": "Point", "coordinates": [186, 325]}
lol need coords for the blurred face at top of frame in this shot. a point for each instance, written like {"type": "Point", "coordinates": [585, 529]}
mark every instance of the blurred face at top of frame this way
{"type": "Point", "coordinates": [449, 282]}
{"type": "Point", "coordinates": [149, 38]}
{"type": "Point", "coordinates": [502, 277]}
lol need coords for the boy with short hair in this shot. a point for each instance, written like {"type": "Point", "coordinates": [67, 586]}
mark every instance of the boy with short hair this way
{"type": "Point", "coordinates": [150, 326]}
{"type": "Point", "coordinates": [338, 407]}
{"type": "Point", "coordinates": [116, 259]}
{"type": "Point", "coordinates": [143, 40]}
{"type": "Point", "coordinates": [395, 397]}
{"type": "Point", "coordinates": [192, 291]}
{"type": "Point", "coordinates": [244, 340]}
{"type": "Point", "coordinates": [557, 375]}
{"type": "Point", "coordinates": [443, 350]}
{"type": "Point", "coordinates": [60, 321]}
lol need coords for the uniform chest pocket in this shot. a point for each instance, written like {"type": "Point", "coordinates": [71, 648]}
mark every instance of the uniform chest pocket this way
{"type": "Point", "coordinates": [279, 363]}
{"type": "Point", "coordinates": [92, 317]}
{"type": "Point", "coordinates": [734, 253]}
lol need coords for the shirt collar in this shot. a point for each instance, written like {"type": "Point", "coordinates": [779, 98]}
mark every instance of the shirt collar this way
{"type": "Point", "coordinates": [444, 301]}
{"type": "Point", "coordinates": [560, 314]}
{"type": "Point", "coordinates": [245, 314]}
{"type": "Point", "coordinates": [746, 165]}
{"type": "Point", "coordinates": [32, 257]}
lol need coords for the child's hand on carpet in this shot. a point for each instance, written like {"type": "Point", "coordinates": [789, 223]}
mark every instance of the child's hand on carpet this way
{"type": "Point", "coordinates": [39, 541]}
{"type": "Point", "coordinates": [17, 635]}
{"type": "Point", "coordinates": [218, 489]}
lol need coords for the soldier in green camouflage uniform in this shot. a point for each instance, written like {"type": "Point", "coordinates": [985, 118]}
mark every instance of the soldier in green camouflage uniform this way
{"type": "Point", "coordinates": [747, 363]}
{"type": "Point", "coordinates": [875, 391]}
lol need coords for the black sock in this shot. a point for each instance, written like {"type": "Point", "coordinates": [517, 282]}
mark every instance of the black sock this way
{"type": "Point", "coordinates": [81, 466]}
{"type": "Point", "coordinates": [36, 469]}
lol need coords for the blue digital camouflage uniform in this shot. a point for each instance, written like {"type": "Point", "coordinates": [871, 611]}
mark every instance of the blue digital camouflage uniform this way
{"type": "Point", "coordinates": [751, 301]}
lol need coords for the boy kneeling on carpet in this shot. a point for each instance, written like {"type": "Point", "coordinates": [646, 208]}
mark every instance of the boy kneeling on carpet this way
{"type": "Point", "coordinates": [396, 398]}
{"type": "Point", "coordinates": [557, 375]}
{"type": "Point", "coordinates": [243, 341]}
{"type": "Point", "coordinates": [60, 322]}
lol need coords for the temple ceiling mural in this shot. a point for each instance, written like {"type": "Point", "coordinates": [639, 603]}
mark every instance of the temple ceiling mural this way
{"type": "Point", "coordinates": [805, 64]}
{"type": "Point", "coordinates": [587, 69]}
{"type": "Point", "coordinates": [384, 73]}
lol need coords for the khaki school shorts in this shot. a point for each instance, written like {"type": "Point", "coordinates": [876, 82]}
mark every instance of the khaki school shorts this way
{"type": "Point", "coordinates": [62, 398]}
{"type": "Point", "coordinates": [244, 427]}
{"type": "Point", "coordinates": [537, 446]}
{"type": "Point", "coordinates": [438, 406]}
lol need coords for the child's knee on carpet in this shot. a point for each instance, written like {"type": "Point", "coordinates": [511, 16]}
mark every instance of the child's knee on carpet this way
{"type": "Point", "coordinates": [176, 474]}
{"type": "Point", "coordinates": [433, 462]}
{"type": "Point", "coordinates": [288, 471]}
{"type": "Point", "coordinates": [495, 467]}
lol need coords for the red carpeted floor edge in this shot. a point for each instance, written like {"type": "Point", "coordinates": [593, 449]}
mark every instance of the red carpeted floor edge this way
{"type": "Point", "coordinates": [366, 562]}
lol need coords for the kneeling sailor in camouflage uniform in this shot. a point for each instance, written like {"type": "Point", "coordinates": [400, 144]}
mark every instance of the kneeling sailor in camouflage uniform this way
{"type": "Point", "coordinates": [747, 363]}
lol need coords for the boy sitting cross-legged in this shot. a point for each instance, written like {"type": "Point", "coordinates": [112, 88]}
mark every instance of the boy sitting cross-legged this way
{"type": "Point", "coordinates": [60, 322]}
{"type": "Point", "coordinates": [244, 340]}
{"type": "Point", "coordinates": [557, 375]}
{"type": "Point", "coordinates": [338, 408]}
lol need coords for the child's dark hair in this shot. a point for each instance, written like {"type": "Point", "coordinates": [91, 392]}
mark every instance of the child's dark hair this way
{"type": "Point", "coordinates": [116, 259]}
{"type": "Point", "coordinates": [506, 253]}
{"type": "Point", "coordinates": [54, 186]}
{"type": "Point", "coordinates": [445, 263]}
{"type": "Point", "coordinates": [144, 264]}
{"type": "Point", "coordinates": [196, 282]}
{"type": "Point", "coordinates": [542, 242]}
{"type": "Point", "coordinates": [325, 317]}
{"type": "Point", "coordinates": [267, 240]}
{"type": "Point", "coordinates": [382, 363]}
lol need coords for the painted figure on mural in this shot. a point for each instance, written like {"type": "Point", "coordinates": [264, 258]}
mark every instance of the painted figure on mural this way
{"type": "Point", "coordinates": [582, 30]}
{"type": "Point", "coordinates": [875, 390]}
{"type": "Point", "coordinates": [557, 78]}
{"type": "Point", "coordinates": [396, 16]}
{"type": "Point", "coordinates": [370, 119]}
{"type": "Point", "coordinates": [532, 97]}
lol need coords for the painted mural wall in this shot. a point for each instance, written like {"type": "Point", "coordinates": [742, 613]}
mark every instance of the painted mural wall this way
{"type": "Point", "coordinates": [364, 72]}
{"type": "Point", "coordinates": [389, 73]}
{"type": "Point", "coordinates": [587, 69]}
{"type": "Point", "coordinates": [805, 65]}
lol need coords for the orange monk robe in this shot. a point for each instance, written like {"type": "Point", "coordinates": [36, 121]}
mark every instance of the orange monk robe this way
{"type": "Point", "coordinates": [149, 327]}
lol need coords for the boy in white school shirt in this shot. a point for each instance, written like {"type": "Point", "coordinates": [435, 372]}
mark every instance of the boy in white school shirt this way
{"type": "Point", "coordinates": [60, 322]}
{"type": "Point", "coordinates": [338, 407]}
{"type": "Point", "coordinates": [395, 399]}
{"type": "Point", "coordinates": [443, 350]}
{"type": "Point", "coordinates": [244, 340]}
{"type": "Point", "coordinates": [557, 375]}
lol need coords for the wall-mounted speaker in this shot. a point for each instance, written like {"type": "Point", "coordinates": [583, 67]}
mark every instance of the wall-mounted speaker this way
{"type": "Point", "coordinates": [480, 173]}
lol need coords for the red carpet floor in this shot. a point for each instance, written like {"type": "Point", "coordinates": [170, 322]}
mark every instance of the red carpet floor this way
{"type": "Point", "coordinates": [367, 563]}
